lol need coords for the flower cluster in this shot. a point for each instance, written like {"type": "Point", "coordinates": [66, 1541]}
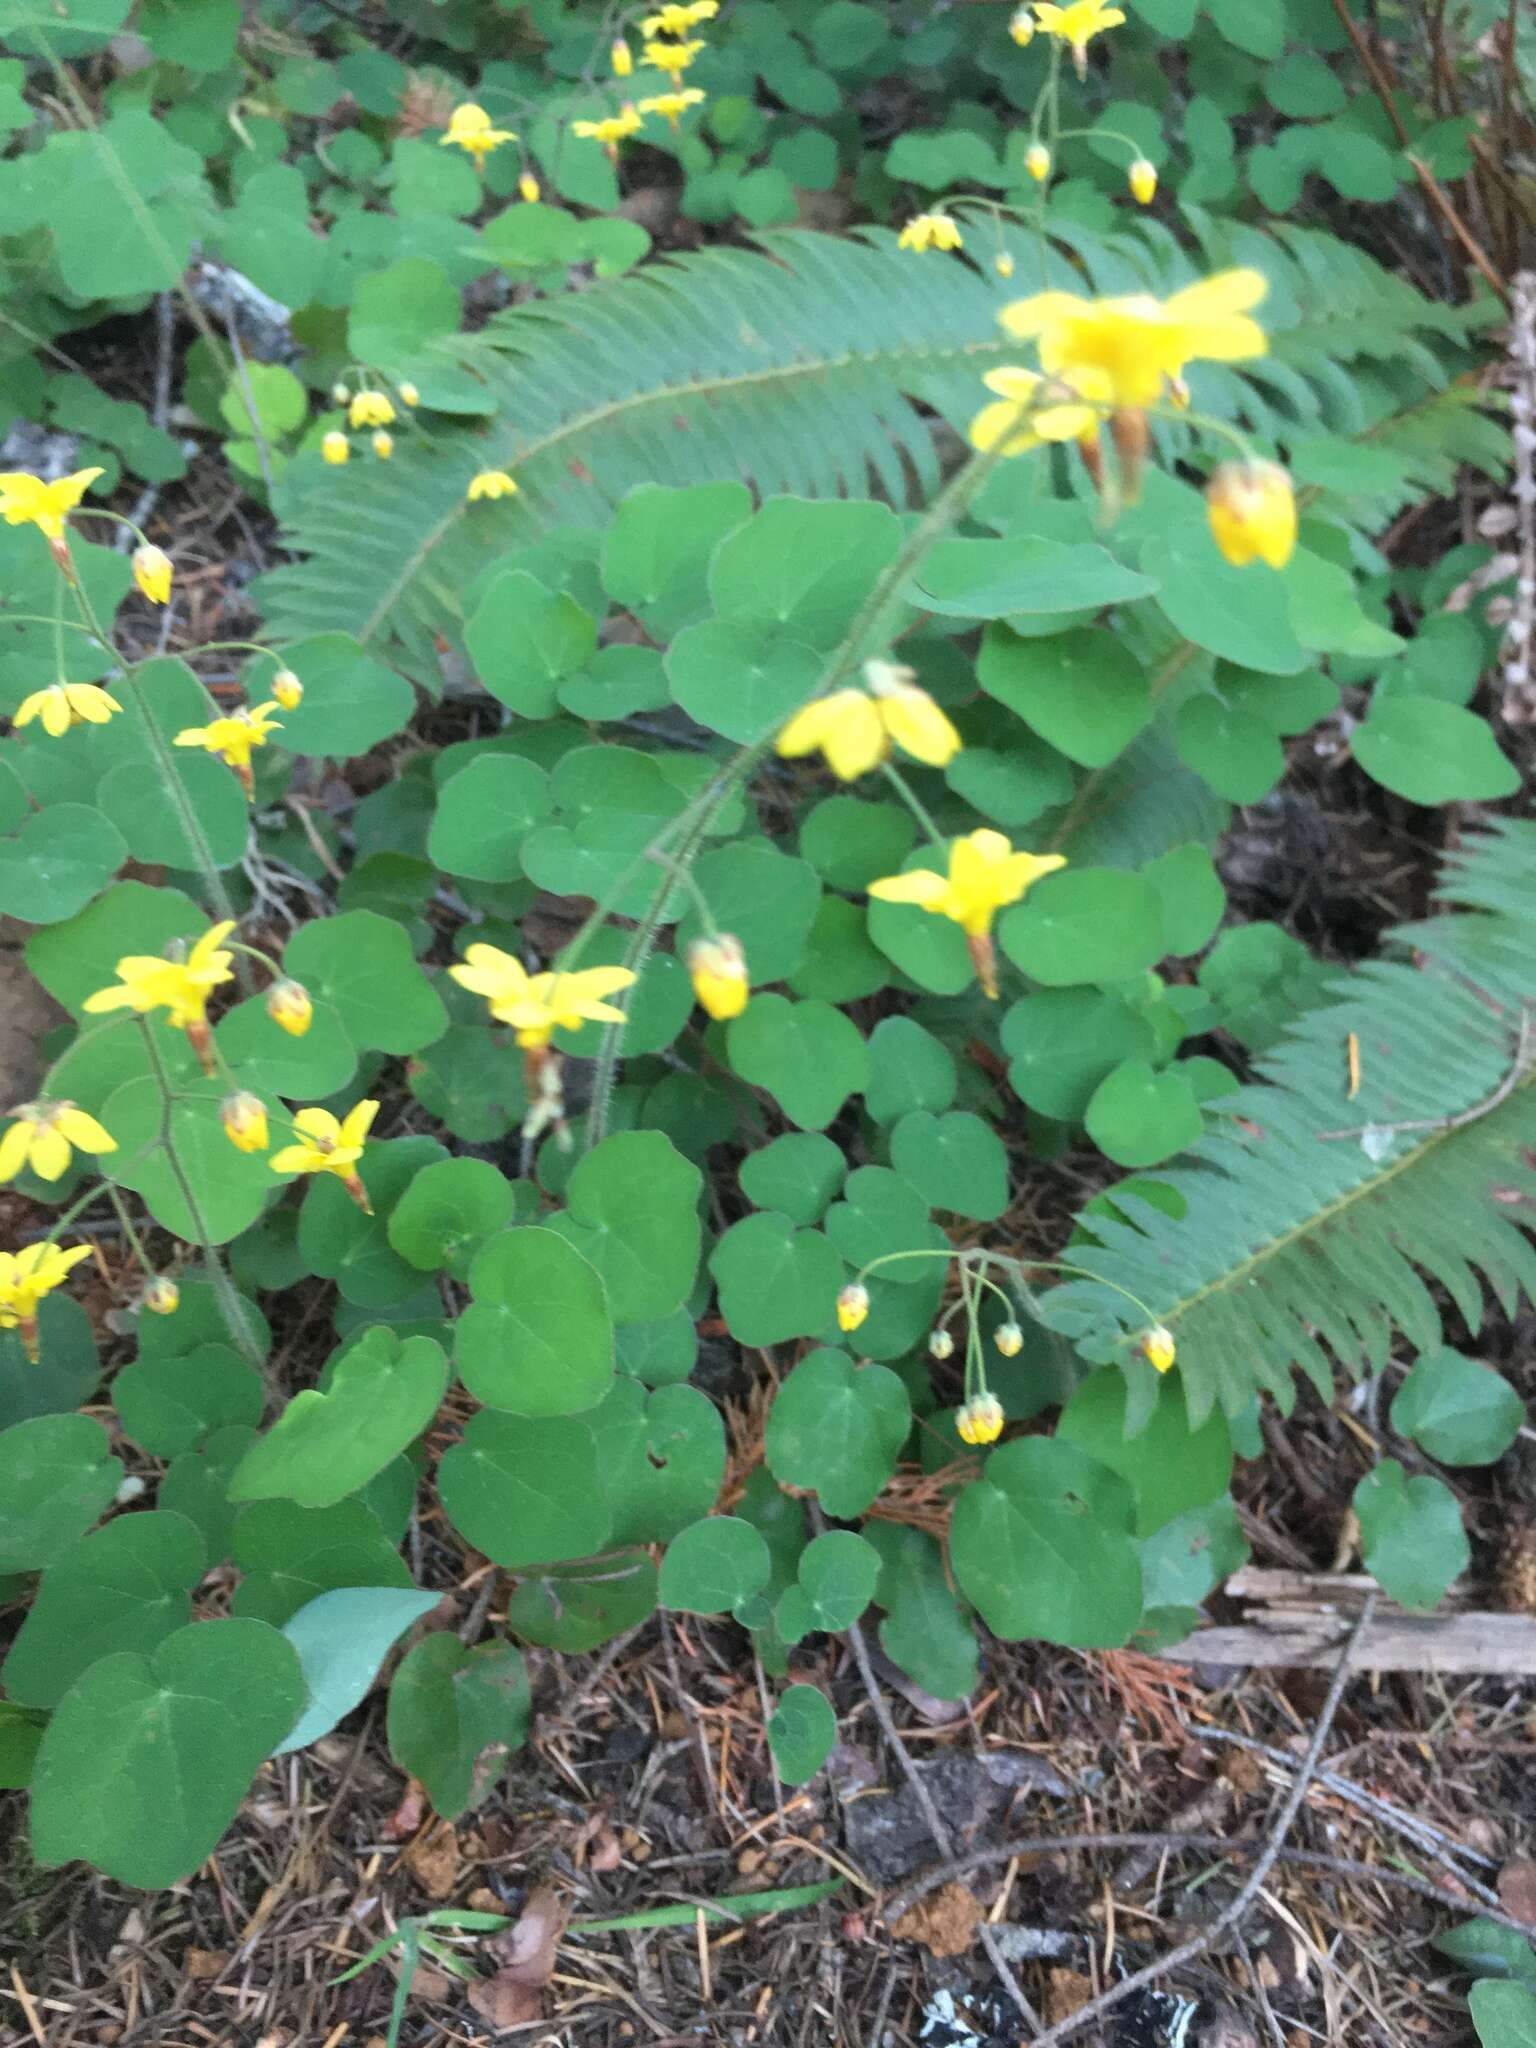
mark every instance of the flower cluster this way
{"type": "Point", "coordinates": [1110, 360]}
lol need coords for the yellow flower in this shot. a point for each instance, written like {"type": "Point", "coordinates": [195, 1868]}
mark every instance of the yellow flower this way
{"type": "Point", "coordinates": [244, 1117]}
{"type": "Point", "coordinates": [539, 1005]}
{"type": "Point", "coordinates": [335, 447]}
{"type": "Point", "coordinates": [718, 968]}
{"type": "Point", "coordinates": [234, 738]}
{"type": "Point", "coordinates": [528, 187]}
{"type": "Point", "coordinates": [1252, 511]}
{"type": "Point", "coordinates": [42, 1136]}
{"type": "Point", "coordinates": [1142, 178]}
{"type": "Point", "coordinates": [62, 705]}
{"type": "Point", "coordinates": [1037, 161]}
{"type": "Point", "coordinates": [611, 131]}
{"type": "Point", "coordinates": [469, 128]}
{"type": "Point", "coordinates": [1077, 23]}
{"type": "Point", "coordinates": [1021, 27]}
{"type": "Point", "coordinates": [26, 1277]}
{"type": "Point", "coordinates": [1139, 342]}
{"type": "Point", "coordinates": [622, 58]}
{"type": "Point", "coordinates": [1015, 421]}
{"type": "Point", "coordinates": [985, 874]}
{"type": "Point", "coordinates": [1158, 1347]}
{"type": "Point", "coordinates": [161, 1296]}
{"type": "Point", "coordinates": [673, 58]}
{"type": "Point", "coordinates": [672, 104]}
{"type": "Point", "coordinates": [930, 231]}
{"type": "Point", "coordinates": [152, 572]}
{"type": "Point", "coordinates": [980, 1421]}
{"type": "Point", "coordinates": [491, 483]}
{"type": "Point", "coordinates": [1009, 1339]}
{"type": "Point", "coordinates": [27, 500]}
{"type": "Point", "coordinates": [383, 445]}
{"type": "Point", "coordinates": [370, 409]}
{"type": "Point", "coordinates": [288, 1004]}
{"type": "Point", "coordinates": [675, 20]}
{"type": "Point", "coordinates": [287, 689]}
{"type": "Point", "coordinates": [852, 1306]}
{"type": "Point", "coordinates": [330, 1147]}
{"type": "Point", "coordinates": [181, 987]}
{"type": "Point", "coordinates": [854, 728]}
{"type": "Point", "coordinates": [409, 395]}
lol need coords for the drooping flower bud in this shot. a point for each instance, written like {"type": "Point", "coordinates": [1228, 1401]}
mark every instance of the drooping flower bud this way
{"type": "Point", "coordinates": [1142, 178]}
{"type": "Point", "coordinates": [623, 58]}
{"type": "Point", "coordinates": [1037, 161]}
{"type": "Point", "coordinates": [852, 1306]}
{"type": "Point", "coordinates": [409, 395]}
{"type": "Point", "coordinates": [288, 1004]}
{"type": "Point", "coordinates": [718, 968]}
{"type": "Point", "coordinates": [383, 445]}
{"type": "Point", "coordinates": [1158, 1347]}
{"type": "Point", "coordinates": [528, 187]}
{"type": "Point", "coordinates": [980, 1421]}
{"type": "Point", "coordinates": [1009, 1339]}
{"type": "Point", "coordinates": [244, 1117]}
{"type": "Point", "coordinates": [340, 395]}
{"type": "Point", "coordinates": [940, 1344]}
{"type": "Point", "coordinates": [287, 689]}
{"type": "Point", "coordinates": [161, 1296]}
{"type": "Point", "coordinates": [1022, 27]}
{"type": "Point", "coordinates": [335, 447]}
{"type": "Point", "coordinates": [1252, 511]}
{"type": "Point", "coordinates": [1002, 263]}
{"type": "Point", "coordinates": [152, 572]}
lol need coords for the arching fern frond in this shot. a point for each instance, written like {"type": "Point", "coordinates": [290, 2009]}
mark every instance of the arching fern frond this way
{"type": "Point", "coordinates": [811, 364]}
{"type": "Point", "coordinates": [1296, 1243]}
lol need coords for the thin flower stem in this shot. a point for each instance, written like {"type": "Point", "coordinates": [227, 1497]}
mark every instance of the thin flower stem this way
{"type": "Point", "coordinates": [914, 803]}
{"type": "Point", "coordinates": [172, 785]}
{"type": "Point", "coordinates": [132, 1235]}
{"type": "Point", "coordinates": [877, 616]}
{"type": "Point", "coordinates": [223, 1287]}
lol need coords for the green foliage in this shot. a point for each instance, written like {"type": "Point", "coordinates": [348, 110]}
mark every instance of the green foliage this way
{"type": "Point", "coordinates": [543, 723]}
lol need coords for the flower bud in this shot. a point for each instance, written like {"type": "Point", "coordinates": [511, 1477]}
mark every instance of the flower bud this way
{"type": "Point", "coordinates": [1002, 263]}
{"type": "Point", "coordinates": [161, 1296]}
{"type": "Point", "coordinates": [409, 395]}
{"type": "Point", "coordinates": [1022, 27]}
{"type": "Point", "coordinates": [340, 395]}
{"type": "Point", "coordinates": [528, 187]}
{"type": "Point", "coordinates": [623, 58]}
{"type": "Point", "coordinates": [1142, 178]}
{"type": "Point", "coordinates": [288, 1004]}
{"type": "Point", "coordinates": [940, 1344]}
{"type": "Point", "coordinates": [852, 1306]}
{"type": "Point", "coordinates": [287, 689]}
{"type": "Point", "coordinates": [335, 447]}
{"type": "Point", "coordinates": [1009, 1339]}
{"type": "Point", "coordinates": [1158, 1347]}
{"type": "Point", "coordinates": [980, 1421]}
{"type": "Point", "coordinates": [244, 1117]}
{"type": "Point", "coordinates": [1037, 161]}
{"type": "Point", "coordinates": [383, 445]}
{"type": "Point", "coordinates": [1252, 511]}
{"type": "Point", "coordinates": [152, 573]}
{"type": "Point", "coordinates": [718, 968]}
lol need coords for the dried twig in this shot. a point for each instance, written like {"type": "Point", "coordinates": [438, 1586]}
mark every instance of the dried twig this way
{"type": "Point", "coordinates": [1271, 1853]}
{"type": "Point", "coordinates": [936, 1827]}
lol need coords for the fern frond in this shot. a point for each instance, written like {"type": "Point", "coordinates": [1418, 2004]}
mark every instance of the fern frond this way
{"type": "Point", "coordinates": [1298, 1246]}
{"type": "Point", "coordinates": [810, 364]}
